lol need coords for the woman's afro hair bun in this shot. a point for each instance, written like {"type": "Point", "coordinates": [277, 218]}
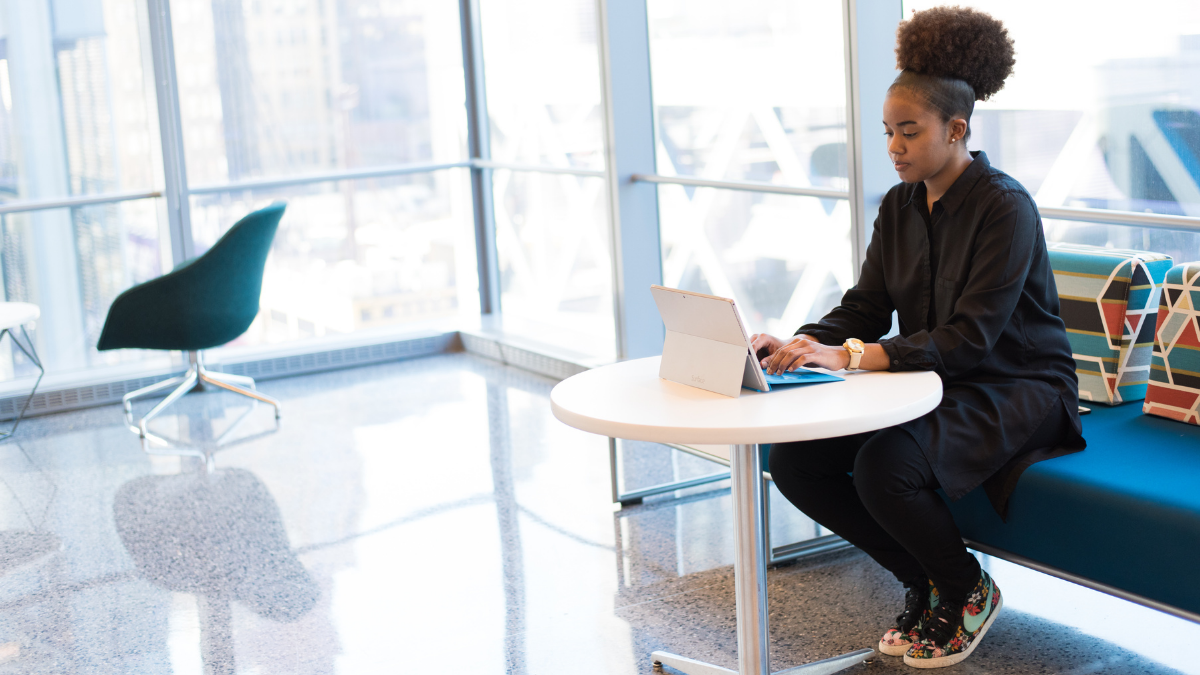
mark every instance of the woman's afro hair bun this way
{"type": "Point", "coordinates": [959, 43]}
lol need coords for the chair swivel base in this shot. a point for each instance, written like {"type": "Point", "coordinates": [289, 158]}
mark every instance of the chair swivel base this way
{"type": "Point", "coordinates": [196, 374]}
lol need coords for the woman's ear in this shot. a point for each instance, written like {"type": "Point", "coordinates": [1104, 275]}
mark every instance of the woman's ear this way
{"type": "Point", "coordinates": [958, 130]}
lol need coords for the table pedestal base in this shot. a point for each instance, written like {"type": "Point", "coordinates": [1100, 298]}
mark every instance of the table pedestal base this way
{"type": "Point", "coordinates": [823, 667]}
{"type": "Point", "coordinates": [750, 582]}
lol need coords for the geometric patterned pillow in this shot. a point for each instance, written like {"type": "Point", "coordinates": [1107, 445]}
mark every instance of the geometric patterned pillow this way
{"type": "Point", "coordinates": [1109, 300]}
{"type": "Point", "coordinates": [1175, 368]}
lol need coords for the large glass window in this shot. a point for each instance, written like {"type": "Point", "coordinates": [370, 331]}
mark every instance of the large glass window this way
{"type": "Point", "coordinates": [357, 256]}
{"type": "Point", "coordinates": [738, 97]}
{"type": "Point", "coordinates": [78, 109]}
{"type": "Point", "coordinates": [552, 229]}
{"type": "Point", "coordinates": [1104, 115]}
{"type": "Point", "coordinates": [285, 87]}
{"type": "Point", "coordinates": [272, 88]}
{"type": "Point", "coordinates": [556, 272]}
{"type": "Point", "coordinates": [77, 117]}
{"type": "Point", "coordinates": [786, 259]}
{"type": "Point", "coordinates": [543, 82]}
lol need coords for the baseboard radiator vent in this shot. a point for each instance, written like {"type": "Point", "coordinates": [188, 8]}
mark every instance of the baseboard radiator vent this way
{"type": "Point", "coordinates": [46, 402]}
{"type": "Point", "coordinates": [315, 362]}
{"type": "Point", "coordinates": [520, 357]}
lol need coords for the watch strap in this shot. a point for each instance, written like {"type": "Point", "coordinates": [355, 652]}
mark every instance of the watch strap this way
{"type": "Point", "coordinates": [856, 349]}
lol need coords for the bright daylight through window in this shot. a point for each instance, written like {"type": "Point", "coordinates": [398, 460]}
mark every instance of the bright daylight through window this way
{"type": "Point", "coordinates": [552, 229]}
{"type": "Point", "coordinates": [737, 98]}
{"type": "Point", "coordinates": [277, 98]}
{"type": "Point", "coordinates": [274, 90]}
{"type": "Point", "coordinates": [77, 119]}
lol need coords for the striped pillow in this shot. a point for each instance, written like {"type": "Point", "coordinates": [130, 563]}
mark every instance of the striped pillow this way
{"type": "Point", "coordinates": [1109, 303]}
{"type": "Point", "coordinates": [1175, 366]}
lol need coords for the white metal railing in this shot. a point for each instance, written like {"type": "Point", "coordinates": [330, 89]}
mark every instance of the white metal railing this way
{"type": "Point", "coordinates": [20, 206]}
{"type": "Point", "coordinates": [1076, 214]}
{"type": "Point", "coordinates": [383, 172]}
{"type": "Point", "coordinates": [537, 168]}
{"type": "Point", "coordinates": [70, 202]}
{"type": "Point", "coordinates": [1129, 218]}
{"type": "Point", "coordinates": [1087, 215]}
{"type": "Point", "coordinates": [752, 186]}
{"type": "Point", "coordinates": [324, 177]}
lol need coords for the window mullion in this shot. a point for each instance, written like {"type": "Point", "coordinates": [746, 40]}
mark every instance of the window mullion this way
{"type": "Point", "coordinates": [170, 128]}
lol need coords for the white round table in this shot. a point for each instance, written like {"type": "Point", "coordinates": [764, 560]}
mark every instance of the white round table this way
{"type": "Point", "coordinates": [628, 400]}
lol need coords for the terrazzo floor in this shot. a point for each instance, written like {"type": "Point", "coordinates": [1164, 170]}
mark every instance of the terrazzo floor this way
{"type": "Point", "coordinates": [431, 516]}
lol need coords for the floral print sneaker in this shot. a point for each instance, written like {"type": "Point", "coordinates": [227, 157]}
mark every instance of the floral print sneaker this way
{"type": "Point", "coordinates": [918, 597]}
{"type": "Point", "coordinates": [951, 633]}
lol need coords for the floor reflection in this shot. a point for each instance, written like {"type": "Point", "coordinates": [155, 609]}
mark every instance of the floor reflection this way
{"type": "Point", "coordinates": [219, 535]}
{"type": "Point", "coordinates": [19, 548]}
{"type": "Point", "coordinates": [208, 428]}
{"type": "Point", "coordinates": [504, 492]}
{"type": "Point", "coordinates": [27, 496]}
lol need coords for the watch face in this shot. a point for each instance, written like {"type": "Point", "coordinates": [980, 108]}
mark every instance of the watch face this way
{"type": "Point", "coordinates": [855, 345]}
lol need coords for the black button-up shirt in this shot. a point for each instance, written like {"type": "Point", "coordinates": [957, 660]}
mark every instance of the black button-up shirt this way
{"type": "Point", "coordinates": [971, 284]}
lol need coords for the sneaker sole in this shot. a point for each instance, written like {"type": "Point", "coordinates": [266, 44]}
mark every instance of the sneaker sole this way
{"type": "Point", "coordinates": [893, 650]}
{"type": "Point", "coordinates": [943, 661]}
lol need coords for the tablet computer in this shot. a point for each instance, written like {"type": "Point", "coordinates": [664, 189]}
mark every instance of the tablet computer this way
{"type": "Point", "coordinates": [707, 345]}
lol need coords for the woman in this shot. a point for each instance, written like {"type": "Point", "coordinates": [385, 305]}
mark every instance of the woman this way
{"type": "Point", "coordinates": [959, 254]}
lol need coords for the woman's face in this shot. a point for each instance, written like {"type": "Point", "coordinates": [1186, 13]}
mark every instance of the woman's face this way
{"type": "Point", "coordinates": [920, 144]}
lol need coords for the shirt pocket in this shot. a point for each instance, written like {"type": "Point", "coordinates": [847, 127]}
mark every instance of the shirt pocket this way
{"type": "Point", "coordinates": [945, 294]}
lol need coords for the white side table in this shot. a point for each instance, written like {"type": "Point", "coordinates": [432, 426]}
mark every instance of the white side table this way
{"type": "Point", "coordinates": [14, 315]}
{"type": "Point", "coordinates": [628, 400]}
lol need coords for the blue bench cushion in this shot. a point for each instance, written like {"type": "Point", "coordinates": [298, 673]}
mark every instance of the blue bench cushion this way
{"type": "Point", "coordinates": [1124, 512]}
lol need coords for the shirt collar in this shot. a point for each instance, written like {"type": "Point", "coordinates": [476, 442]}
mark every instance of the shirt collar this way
{"type": "Point", "coordinates": [958, 192]}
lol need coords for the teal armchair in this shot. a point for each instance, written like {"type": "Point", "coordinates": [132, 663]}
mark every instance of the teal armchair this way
{"type": "Point", "coordinates": [204, 303]}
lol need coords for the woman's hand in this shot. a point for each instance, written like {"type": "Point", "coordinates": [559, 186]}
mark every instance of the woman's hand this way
{"type": "Point", "coordinates": [802, 350]}
{"type": "Point", "coordinates": [766, 345]}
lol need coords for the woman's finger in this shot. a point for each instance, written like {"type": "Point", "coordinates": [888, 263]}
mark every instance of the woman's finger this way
{"type": "Point", "coordinates": [759, 342]}
{"type": "Point", "coordinates": [778, 356]}
{"type": "Point", "coordinates": [797, 357]}
{"type": "Point", "coordinates": [790, 353]}
{"type": "Point", "coordinates": [764, 345]}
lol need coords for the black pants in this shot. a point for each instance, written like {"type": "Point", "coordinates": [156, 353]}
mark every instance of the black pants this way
{"type": "Point", "coordinates": [889, 508]}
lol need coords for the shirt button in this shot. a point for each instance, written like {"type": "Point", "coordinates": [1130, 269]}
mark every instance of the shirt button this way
{"type": "Point", "coordinates": [896, 362]}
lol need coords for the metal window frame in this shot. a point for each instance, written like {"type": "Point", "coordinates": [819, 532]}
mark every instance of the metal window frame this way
{"type": "Point", "coordinates": [487, 257]}
{"type": "Point", "coordinates": [623, 40]}
{"type": "Point", "coordinates": [170, 129]}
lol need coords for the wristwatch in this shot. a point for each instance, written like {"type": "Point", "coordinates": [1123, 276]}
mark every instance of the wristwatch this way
{"type": "Point", "coordinates": [856, 349]}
